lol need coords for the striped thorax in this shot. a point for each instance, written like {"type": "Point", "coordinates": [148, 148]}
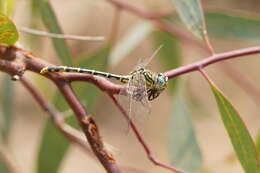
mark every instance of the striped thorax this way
{"type": "Point", "coordinates": [155, 82]}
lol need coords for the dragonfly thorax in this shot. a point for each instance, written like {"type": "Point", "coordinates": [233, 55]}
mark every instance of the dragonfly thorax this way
{"type": "Point", "coordinates": [155, 82]}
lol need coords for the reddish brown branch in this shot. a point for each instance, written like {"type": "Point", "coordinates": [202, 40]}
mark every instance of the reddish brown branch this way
{"type": "Point", "coordinates": [24, 60]}
{"type": "Point", "coordinates": [141, 140]}
{"type": "Point", "coordinates": [28, 61]}
{"type": "Point", "coordinates": [55, 115]}
{"type": "Point", "coordinates": [211, 60]}
{"type": "Point", "coordinates": [89, 127]}
{"type": "Point", "coordinates": [156, 18]}
{"type": "Point", "coordinates": [140, 11]}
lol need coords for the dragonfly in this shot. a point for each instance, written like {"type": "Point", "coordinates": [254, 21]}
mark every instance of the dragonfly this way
{"type": "Point", "coordinates": [142, 85]}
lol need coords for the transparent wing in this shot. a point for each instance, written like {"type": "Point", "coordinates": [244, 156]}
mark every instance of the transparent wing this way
{"type": "Point", "coordinates": [144, 62]}
{"type": "Point", "coordinates": [134, 99]}
{"type": "Point", "coordinates": [139, 105]}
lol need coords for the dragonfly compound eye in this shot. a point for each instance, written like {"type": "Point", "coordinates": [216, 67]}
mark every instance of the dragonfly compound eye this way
{"type": "Point", "coordinates": [161, 79]}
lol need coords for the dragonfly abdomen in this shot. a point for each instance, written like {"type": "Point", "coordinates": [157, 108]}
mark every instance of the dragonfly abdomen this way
{"type": "Point", "coordinates": [121, 78]}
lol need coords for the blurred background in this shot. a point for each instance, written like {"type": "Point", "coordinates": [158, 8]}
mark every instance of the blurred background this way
{"type": "Point", "coordinates": [184, 128]}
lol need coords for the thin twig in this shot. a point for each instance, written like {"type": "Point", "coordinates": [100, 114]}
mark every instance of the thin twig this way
{"type": "Point", "coordinates": [250, 89]}
{"type": "Point", "coordinates": [71, 133]}
{"type": "Point", "coordinates": [30, 62]}
{"type": "Point", "coordinates": [60, 36]}
{"type": "Point", "coordinates": [149, 153]}
{"type": "Point", "coordinates": [24, 60]}
{"type": "Point", "coordinates": [141, 11]}
{"type": "Point", "coordinates": [211, 60]}
{"type": "Point", "coordinates": [156, 18]}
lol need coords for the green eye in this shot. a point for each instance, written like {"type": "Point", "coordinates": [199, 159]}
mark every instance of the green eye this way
{"type": "Point", "coordinates": [161, 80]}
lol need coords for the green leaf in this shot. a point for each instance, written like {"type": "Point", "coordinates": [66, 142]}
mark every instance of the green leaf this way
{"type": "Point", "coordinates": [52, 149]}
{"type": "Point", "coordinates": [169, 54]}
{"type": "Point", "coordinates": [238, 26]}
{"type": "Point", "coordinates": [7, 6]}
{"type": "Point", "coordinates": [8, 32]}
{"type": "Point", "coordinates": [258, 144]}
{"type": "Point", "coordinates": [130, 40]}
{"type": "Point", "coordinates": [238, 133]}
{"type": "Point", "coordinates": [6, 106]}
{"type": "Point", "coordinates": [54, 145]}
{"type": "Point", "coordinates": [184, 149]}
{"type": "Point", "coordinates": [51, 23]}
{"type": "Point", "coordinates": [191, 14]}
{"type": "Point", "coordinates": [3, 168]}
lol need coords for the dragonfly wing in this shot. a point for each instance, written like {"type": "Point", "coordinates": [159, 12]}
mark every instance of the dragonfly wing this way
{"type": "Point", "coordinates": [139, 106]}
{"type": "Point", "coordinates": [144, 62]}
{"type": "Point", "coordinates": [134, 99]}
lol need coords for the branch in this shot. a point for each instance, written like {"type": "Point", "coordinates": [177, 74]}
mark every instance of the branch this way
{"type": "Point", "coordinates": [25, 60]}
{"type": "Point", "coordinates": [15, 61]}
{"type": "Point", "coordinates": [156, 18]}
{"type": "Point", "coordinates": [211, 60]}
{"type": "Point", "coordinates": [60, 36]}
{"type": "Point", "coordinates": [140, 11]}
{"type": "Point", "coordinates": [89, 127]}
{"type": "Point", "coordinates": [149, 153]}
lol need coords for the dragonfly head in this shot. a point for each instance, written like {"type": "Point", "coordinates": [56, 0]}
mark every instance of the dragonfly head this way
{"type": "Point", "coordinates": [160, 83]}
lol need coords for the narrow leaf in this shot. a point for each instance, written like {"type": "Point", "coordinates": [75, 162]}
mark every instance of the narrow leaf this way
{"type": "Point", "coordinates": [8, 32]}
{"type": "Point", "coordinates": [239, 26]}
{"type": "Point", "coordinates": [6, 106]}
{"type": "Point", "coordinates": [7, 6]}
{"type": "Point", "coordinates": [169, 54]}
{"type": "Point", "coordinates": [130, 41]}
{"type": "Point", "coordinates": [10, 6]}
{"type": "Point", "coordinates": [3, 168]}
{"type": "Point", "coordinates": [51, 23]}
{"type": "Point", "coordinates": [258, 144]}
{"type": "Point", "coordinates": [191, 14]}
{"type": "Point", "coordinates": [184, 149]}
{"type": "Point", "coordinates": [238, 133]}
{"type": "Point", "coordinates": [52, 149]}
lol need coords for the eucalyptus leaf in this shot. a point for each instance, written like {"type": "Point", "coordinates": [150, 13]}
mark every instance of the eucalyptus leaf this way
{"type": "Point", "coordinates": [130, 40]}
{"type": "Point", "coordinates": [184, 149]}
{"type": "Point", "coordinates": [8, 31]}
{"type": "Point", "coordinates": [232, 25]}
{"type": "Point", "coordinates": [51, 23]}
{"type": "Point", "coordinates": [240, 138]}
{"type": "Point", "coordinates": [192, 16]}
{"type": "Point", "coordinates": [6, 106]}
{"type": "Point", "coordinates": [258, 144]}
{"type": "Point", "coordinates": [3, 168]}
